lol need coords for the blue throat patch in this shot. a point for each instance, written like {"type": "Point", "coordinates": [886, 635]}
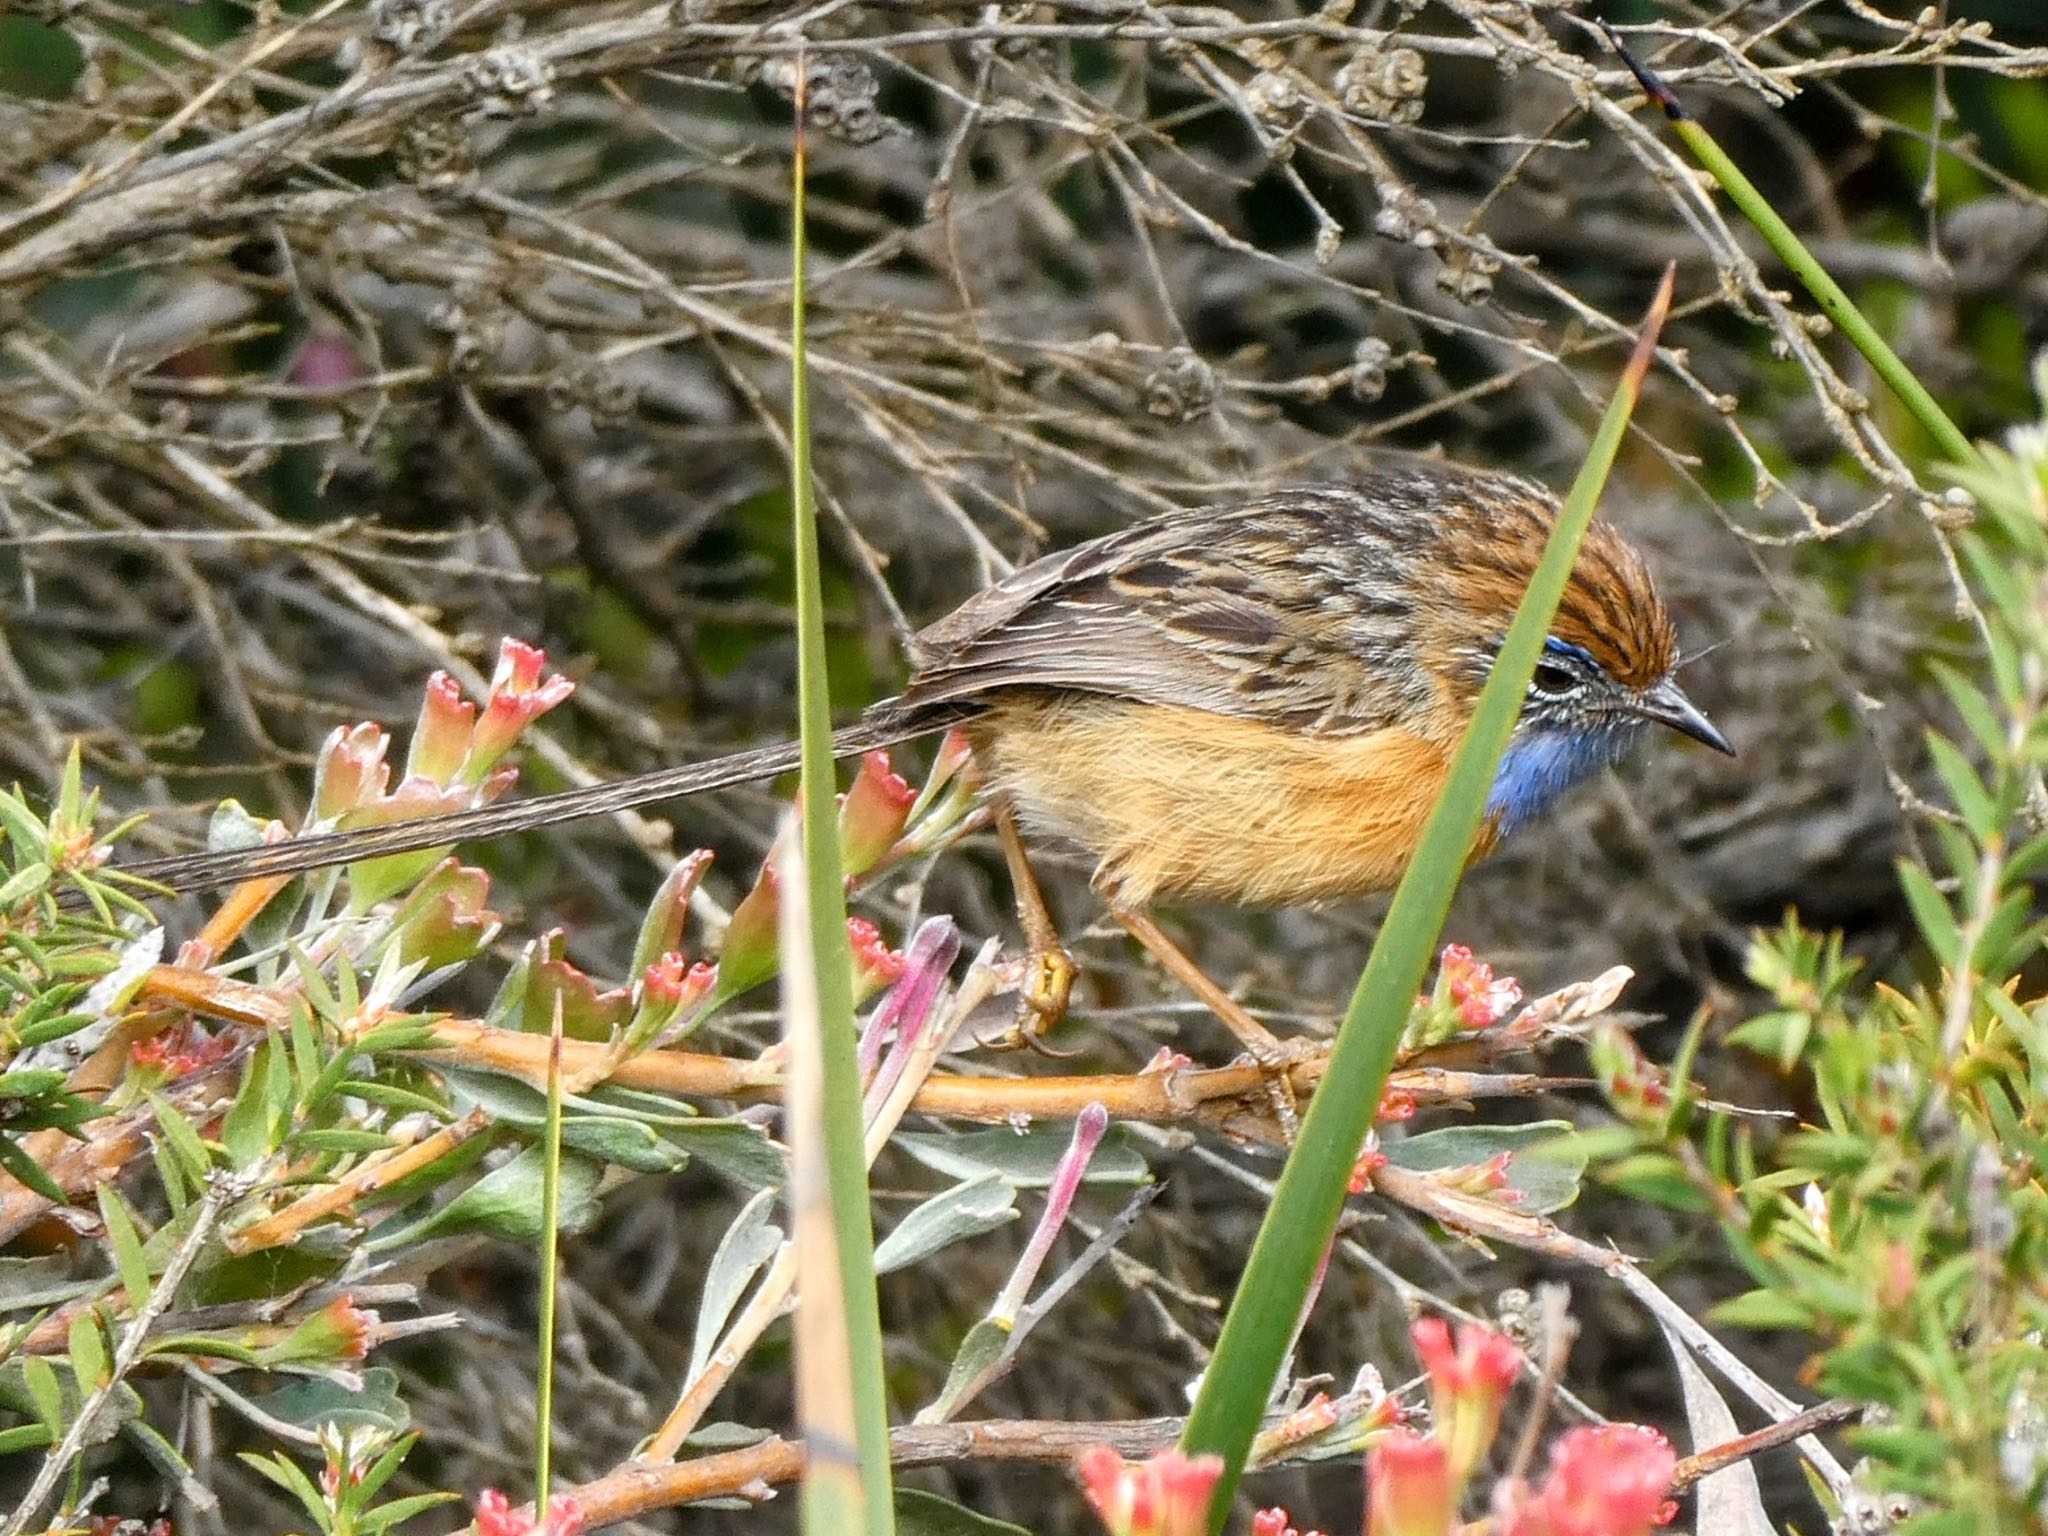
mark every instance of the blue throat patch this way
{"type": "Point", "coordinates": [1539, 765]}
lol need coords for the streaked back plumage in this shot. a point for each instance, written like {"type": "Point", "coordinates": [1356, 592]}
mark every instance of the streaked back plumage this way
{"type": "Point", "coordinates": [1329, 610]}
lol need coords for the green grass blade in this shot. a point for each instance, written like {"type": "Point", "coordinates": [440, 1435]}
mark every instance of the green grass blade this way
{"type": "Point", "coordinates": [1310, 1194]}
{"type": "Point", "coordinates": [825, 1509]}
{"type": "Point", "coordinates": [1834, 302]}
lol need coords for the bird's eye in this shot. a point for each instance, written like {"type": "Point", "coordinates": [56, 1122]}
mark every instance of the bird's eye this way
{"type": "Point", "coordinates": [1552, 680]}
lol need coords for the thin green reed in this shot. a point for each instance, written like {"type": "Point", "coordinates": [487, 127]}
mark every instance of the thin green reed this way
{"type": "Point", "coordinates": [1310, 1194]}
{"type": "Point", "coordinates": [833, 1505]}
{"type": "Point", "coordinates": [1834, 301]}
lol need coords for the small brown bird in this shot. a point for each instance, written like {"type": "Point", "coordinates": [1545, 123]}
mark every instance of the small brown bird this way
{"type": "Point", "coordinates": [1254, 704]}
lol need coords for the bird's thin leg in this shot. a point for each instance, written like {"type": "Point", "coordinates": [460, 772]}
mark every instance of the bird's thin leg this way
{"type": "Point", "coordinates": [1265, 1047]}
{"type": "Point", "coordinates": [1049, 970]}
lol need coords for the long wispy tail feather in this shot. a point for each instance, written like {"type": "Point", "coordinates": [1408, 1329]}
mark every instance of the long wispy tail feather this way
{"type": "Point", "coordinates": [187, 872]}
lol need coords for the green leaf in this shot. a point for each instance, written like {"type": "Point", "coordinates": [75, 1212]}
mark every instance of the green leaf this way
{"type": "Point", "coordinates": [283, 1471]}
{"type": "Point", "coordinates": [1931, 912]}
{"type": "Point", "coordinates": [1965, 789]}
{"type": "Point", "coordinates": [384, 1516]}
{"type": "Point", "coordinates": [926, 1514]}
{"type": "Point", "coordinates": [316, 1401]}
{"type": "Point", "coordinates": [1763, 1309]}
{"type": "Point", "coordinates": [748, 1244]}
{"type": "Point", "coordinates": [979, 1353]}
{"type": "Point", "coordinates": [980, 1205]}
{"type": "Point", "coordinates": [26, 1437]}
{"type": "Point", "coordinates": [245, 1130]}
{"type": "Point", "coordinates": [88, 1350]}
{"type": "Point", "coordinates": [506, 1202]}
{"type": "Point", "coordinates": [1545, 1164]}
{"type": "Point", "coordinates": [127, 1245]}
{"type": "Point", "coordinates": [834, 1497]}
{"type": "Point", "coordinates": [1026, 1160]}
{"type": "Point", "coordinates": [339, 1139]}
{"type": "Point", "coordinates": [183, 1138]}
{"type": "Point", "coordinates": [25, 1168]}
{"type": "Point", "coordinates": [46, 1391]}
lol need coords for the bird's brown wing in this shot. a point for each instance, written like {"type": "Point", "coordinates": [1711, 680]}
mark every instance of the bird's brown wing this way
{"type": "Point", "coordinates": [1290, 610]}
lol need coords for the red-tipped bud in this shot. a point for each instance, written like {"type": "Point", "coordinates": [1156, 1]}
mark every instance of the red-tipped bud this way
{"type": "Point", "coordinates": [441, 736]}
{"type": "Point", "coordinates": [752, 938]}
{"type": "Point", "coordinates": [351, 770]}
{"type": "Point", "coordinates": [872, 814]}
{"type": "Point", "coordinates": [1165, 1495]}
{"type": "Point", "coordinates": [1468, 1386]}
{"type": "Point", "coordinates": [519, 696]}
{"type": "Point", "coordinates": [338, 1332]}
{"type": "Point", "coordinates": [1409, 1487]}
{"type": "Point", "coordinates": [661, 930]}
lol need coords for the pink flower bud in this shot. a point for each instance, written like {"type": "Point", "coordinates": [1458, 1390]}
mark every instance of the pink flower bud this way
{"type": "Point", "coordinates": [872, 814]}
{"type": "Point", "coordinates": [1604, 1480]}
{"type": "Point", "coordinates": [1165, 1495]}
{"type": "Point", "coordinates": [1633, 1084]}
{"type": "Point", "coordinates": [351, 770]}
{"type": "Point", "coordinates": [1409, 1487]}
{"type": "Point", "coordinates": [440, 737]}
{"type": "Point", "coordinates": [1468, 1386]}
{"type": "Point", "coordinates": [519, 696]}
{"type": "Point", "coordinates": [446, 919]}
{"type": "Point", "coordinates": [1485, 1181]}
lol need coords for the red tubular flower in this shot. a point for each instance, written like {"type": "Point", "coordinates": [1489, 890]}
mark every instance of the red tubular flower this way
{"type": "Point", "coordinates": [872, 814]}
{"type": "Point", "coordinates": [1165, 1495]}
{"type": "Point", "coordinates": [1468, 1386]}
{"type": "Point", "coordinates": [1604, 1480]}
{"type": "Point", "coordinates": [1409, 1487]}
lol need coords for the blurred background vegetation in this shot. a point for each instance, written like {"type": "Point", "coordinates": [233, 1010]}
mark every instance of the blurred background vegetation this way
{"type": "Point", "coordinates": [338, 340]}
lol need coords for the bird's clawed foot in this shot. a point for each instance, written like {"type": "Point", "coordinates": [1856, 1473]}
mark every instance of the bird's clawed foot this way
{"type": "Point", "coordinates": [1042, 996]}
{"type": "Point", "coordinates": [1276, 1059]}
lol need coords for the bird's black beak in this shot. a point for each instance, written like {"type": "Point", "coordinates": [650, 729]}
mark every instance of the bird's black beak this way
{"type": "Point", "coordinates": [1667, 705]}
